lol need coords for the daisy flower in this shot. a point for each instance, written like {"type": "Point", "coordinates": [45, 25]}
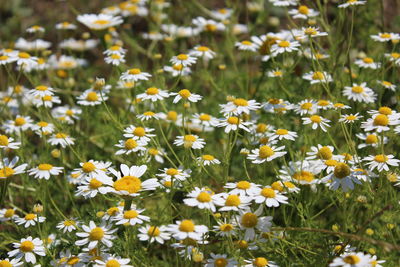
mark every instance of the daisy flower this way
{"type": "Point", "coordinates": [185, 60]}
{"type": "Point", "coordinates": [186, 95]}
{"type": "Point", "coordinates": [174, 174]}
{"type": "Point", "coordinates": [208, 25]}
{"type": "Point", "coordinates": [266, 153]}
{"type": "Point", "coordinates": [306, 107]}
{"type": "Point", "coordinates": [367, 63]}
{"type": "Point", "coordinates": [351, 259]}
{"type": "Point", "coordinates": [321, 152]}
{"type": "Point", "coordinates": [201, 51]}
{"type": "Point", "coordinates": [250, 222]}
{"type": "Point", "coordinates": [99, 21]}
{"type": "Point", "coordinates": [360, 93]}
{"type": "Point", "coordinates": [27, 248]}
{"type": "Point", "coordinates": [91, 186]}
{"type": "Point", "coordinates": [187, 229]}
{"type": "Point", "coordinates": [350, 118]}
{"type": "Point", "coordinates": [135, 75]}
{"type": "Point", "coordinates": [68, 225]}
{"type": "Point", "coordinates": [7, 215]}
{"type": "Point", "coordinates": [388, 85]}
{"type": "Point", "coordinates": [310, 32]}
{"type": "Point", "coordinates": [275, 73]}
{"type": "Point", "coordinates": [30, 219]}
{"type": "Point", "coordinates": [4, 59]}
{"type": "Point", "coordinates": [205, 120]}
{"type": "Point", "coordinates": [260, 262]}
{"type": "Point", "coordinates": [130, 146]}
{"type": "Point", "coordinates": [147, 115]}
{"type": "Point", "coordinates": [115, 50]}
{"type": "Point", "coordinates": [282, 134]}
{"type": "Point", "coordinates": [115, 59]}
{"type": "Point", "coordinates": [8, 169]}
{"type": "Point", "coordinates": [154, 94]}
{"type": "Point", "coordinates": [8, 143]}
{"type": "Point", "coordinates": [26, 60]}
{"type": "Point", "coordinates": [284, 46]}
{"type": "Point", "coordinates": [269, 196]}
{"type": "Point", "coordinates": [65, 26]}
{"type": "Point", "coordinates": [208, 160]}
{"type": "Point", "coordinates": [233, 124]}
{"type": "Point", "coordinates": [41, 91]}
{"type": "Point", "coordinates": [225, 228]}
{"type": "Point", "coordinates": [381, 162]}
{"type": "Point", "coordinates": [190, 141]}
{"type": "Point", "coordinates": [202, 198]}
{"type": "Point", "coordinates": [131, 216]}
{"type": "Point", "coordinates": [94, 235]}
{"type": "Point", "coordinates": [315, 121]}
{"type": "Point", "coordinates": [372, 140]}
{"type": "Point", "coordinates": [231, 201]}
{"type": "Point", "coordinates": [20, 123]}
{"type": "Point", "coordinates": [220, 260]}
{"type": "Point", "coordinates": [239, 106]}
{"type": "Point", "coordinates": [91, 98]}
{"type": "Point", "coordinates": [379, 123]}
{"type": "Point", "coordinates": [35, 29]}
{"type": "Point", "coordinates": [43, 128]}
{"type": "Point", "coordinates": [246, 46]}
{"type": "Point", "coordinates": [285, 187]}
{"type": "Point", "coordinates": [129, 183]}
{"type": "Point", "coordinates": [222, 14]}
{"type": "Point", "coordinates": [45, 170]}
{"type": "Point", "coordinates": [243, 187]}
{"type": "Point", "coordinates": [10, 263]}
{"type": "Point", "coordinates": [61, 139]}
{"type": "Point", "coordinates": [303, 12]}
{"type": "Point", "coordinates": [393, 57]}
{"type": "Point", "coordinates": [349, 3]}
{"type": "Point", "coordinates": [158, 234]}
{"type": "Point", "coordinates": [343, 177]}
{"type": "Point", "coordinates": [93, 169]}
{"type": "Point", "coordinates": [280, 3]}
{"type": "Point", "coordinates": [177, 70]}
{"type": "Point", "coordinates": [318, 77]}
{"type": "Point", "coordinates": [112, 261]}
{"type": "Point", "coordinates": [156, 154]}
{"type": "Point", "coordinates": [142, 134]}
{"type": "Point", "coordinates": [385, 36]}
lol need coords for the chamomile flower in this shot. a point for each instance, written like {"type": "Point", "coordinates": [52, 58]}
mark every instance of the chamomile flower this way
{"type": "Point", "coordinates": [115, 59]}
{"type": "Point", "coordinates": [187, 229]}
{"type": "Point", "coordinates": [282, 134]}
{"type": "Point", "coordinates": [8, 168]}
{"type": "Point", "coordinates": [225, 228]}
{"type": "Point", "coordinates": [321, 152]}
{"type": "Point", "coordinates": [99, 21]}
{"type": "Point", "coordinates": [147, 115]}
{"type": "Point", "coordinates": [6, 262]}
{"type": "Point", "coordinates": [342, 176]}
{"type": "Point", "coordinates": [351, 259]}
{"type": "Point", "coordinates": [61, 139]}
{"type": "Point", "coordinates": [367, 63]}
{"type": "Point", "coordinates": [90, 186]}
{"type": "Point", "coordinates": [231, 201]}
{"type": "Point", "coordinates": [156, 154]}
{"type": "Point", "coordinates": [129, 146]}
{"type": "Point", "coordinates": [379, 123]}
{"type": "Point", "coordinates": [185, 60]}
{"type": "Point", "coordinates": [266, 153]}
{"type": "Point", "coordinates": [393, 57]}
{"type": "Point", "coordinates": [350, 118]}
{"type": "Point", "coordinates": [68, 225]}
{"type": "Point", "coordinates": [65, 25]}
{"type": "Point", "coordinates": [208, 159]}
{"type": "Point", "coordinates": [91, 98]}
{"type": "Point", "coordinates": [222, 13]}
{"type": "Point", "coordinates": [41, 91]}
{"type": "Point", "coordinates": [135, 75]}
{"type": "Point", "coordinates": [208, 25]}
{"type": "Point", "coordinates": [251, 221]}
{"type": "Point", "coordinates": [47, 101]}
{"type": "Point", "coordinates": [128, 180]}
{"type": "Point", "coordinates": [317, 121]}
{"type": "Point", "coordinates": [385, 36]}
{"type": "Point", "coordinates": [201, 51]}
{"type": "Point", "coordinates": [388, 85]}
{"type": "Point", "coordinates": [19, 124]}
{"type": "Point", "coordinates": [243, 188]}
{"type": "Point", "coordinates": [94, 235]}
{"type": "Point", "coordinates": [306, 106]}
{"type": "Point", "coordinates": [174, 174]}
{"type": "Point", "coordinates": [8, 143]}
{"type": "Point", "coordinates": [177, 70]}
{"type": "Point", "coordinates": [30, 219]}
{"type": "Point", "coordinates": [190, 141]}
{"type": "Point", "coordinates": [7, 215]}
{"type": "Point", "coordinates": [205, 120]}
{"type": "Point", "coordinates": [158, 234]}
{"type": "Point", "coordinates": [360, 93]}
{"type": "Point", "coordinates": [186, 95]}
{"type": "Point", "coordinates": [259, 262]}
{"type": "Point", "coordinates": [234, 123]}
{"type": "Point", "coordinates": [284, 46]}
{"type": "Point", "coordinates": [131, 216]}
{"type": "Point", "coordinates": [269, 196]}
{"type": "Point", "coordinates": [5, 59]}
{"type": "Point", "coordinates": [154, 94]}
{"type": "Point", "coordinates": [318, 77]}
{"type": "Point", "coordinates": [285, 187]}
{"type": "Point", "coordinates": [276, 73]}
{"type": "Point", "coordinates": [43, 128]}
{"type": "Point", "coordinates": [381, 162]}
{"type": "Point", "coordinates": [371, 139]}
{"type": "Point", "coordinates": [246, 46]}
{"type": "Point", "coordinates": [303, 12]}
{"type": "Point", "coordinates": [26, 60]}
{"type": "Point", "coordinates": [112, 261]}
{"type": "Point", "coordinates": [35, 29]}
{"type": "Point", "coordinates": [310, 32]}
{"type": "Point", "coordinates": [44, 171]}
{"type": "Point", "coordinates": [27, 248]}
{"type": "Point", "coordinates": [220, 260]}
{"type": "Point", "coordinates": [280, 3]}
{"type": "Point", "coordinates": [239, 106]}
{"type": "Point", "coordinates": [349, 3]}
{"type": "Point", "coordinates": [202, 198]}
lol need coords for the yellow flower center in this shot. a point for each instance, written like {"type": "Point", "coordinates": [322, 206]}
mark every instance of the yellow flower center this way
{"type": "Point", "coordinates": [204, 197]}
{"type": "Point", "coordinates": [61, 135]}
{"type": "Point", "coordinates": [351, 118]}
{"type": "Point", "coordinates": [96, 233]}
{"type": "Point", "coordinates": [281, 132]}
{"type": "Point", "coordinates": [284, 44]}
{"type": "Point", "coordinates": [134, 71]}
{"type": "Point", "coordinates": [101, 22]}
{"type": "Point", "coordinates": [130, 214]}
{"type": "Point", "coordinates": [220, 262]}
{"type": "Point", "coordinates": [342, 170]}
{"type": "Point", "coordinates": [94, 183]}
{"type": "Point", "coordinates": [310, 31]}
{"type": "Point", "coordinates": [381, 120]}
{"type": "Point", "coordinates": [139, 131]}
{"type": "Point", "coordinates": [69, 223]}
{"type": "Point", "coordinates": [42, 124]}
{"type": "Point", "coordinates": [19, 121]}
{"type": "Point", "coordinates": [315, 119]}
{"type": "Point", "coordinates": [249, 220]}
{"type": "Point", "coordinates": [352, 259]}
{"type": "Point", "coordinates": [189, 138]}
{"type": "Point", "coordinates": [27, 246]}
{"type": "Point", "coordinates": [130, 144]}
{"type": "Point", "coordinates": [233, 120]}
{"type": "Point", "coordinates": [303, 10]}
{"type": "Point", "coordinates": [9, 213]}
{"type": "Point", "coordinates": [243, 185]}
{"type": "Point", "coordinates": [45, 167]}
{"type": "Point", "coordinates": [30, 216]}
{"type": "Point", "coordinates": [268, 192]}
{"type": "Point", "coordinates": [186, 226]}
{"type": "Point", "coordinates": [115, 56]}
{"type": "Point", "coordinates": [226, 227]}
{"type": "Point", "coordinates": [385, 35]}
{"type": "Point", "coordinates": [385, 110]}
{"type": "Point", "coordinates": [4, 57]}
{"type": "Point", "coordinates": [88, 167]}
{"type": "Point", "coordinates": [172, 115]}
{"type": "Point", "coordinates": [248, 43]}
{"type": "Point", "coordinates": [203, 49]}
{"type": "Point", "coordinates": [153, 231]}
{"type": "Point", "coordinates": [149, 113]}
{"type": "Point", "coordinates": [152, 91]}
{"type": "Point", "coordinates": [381, 158]}
{"type": "Point", "coordinates": [92, 96]}
{"type": "Point", "coordinates": [261, 128]}
{"type": "Point", "coordinates": [277, 186]}
{"type": "Point", "coordinates": [182, 57]}
{"type": "Point", "coordinates": [112, 263]}
{"type": "Point", "coordinates": [211, 27]}
{"type": "Point", "coordinates": [41, 88]}
{"type": "Point", "coordinates": [47, 98]}
{"type": "Point", "coordinates": [306, 106]}
{"type": "Point", "coordinates": [73, 260]}
{"type": "Point", "coordinates": [232, 201]}
{"type": "Point", "coordinates": [4, 140]}
{"type": "Point", "coordinates": [260, 262]}
{"type": "Point", "coordinates": [153, 151]}
{"type": "Point", "coordinates": [265, 152]}
{"type": "Point", "coordinates": [172, 172]}
{"type": "Point", "coordinates": [184, 93]}
{"type": "Point", "coordinates": [204, 117]}
{"type": "Point", "coordinates": [357, 89]}
{"type": "Point", "coordinates": [304, 176]}
{"type": "Point", "coordinates": [395, 55]}
{"type": "Point", "coordinates": [177, 67]}
{"type": "Point", "coordinates": [240, 102]}
{"type": "Point", "coordinates": [318, 75]}
{"type": "Point", "coordinates": [371, 139]}
{"type": "Point", "coordinates": [130, 184]}
{"type": "Point", "coordinates": [208, 157]}
{"type": "Point", "coordinates": [368, 60]}
{"type": "Point", "coordinates": [23, 55]}
{"type": "Point", "coordinates": [5, 263]}
{"type": "Point", "coordinates": [324, 153]}
{"type": "Point", "coordinates": [6, 172]}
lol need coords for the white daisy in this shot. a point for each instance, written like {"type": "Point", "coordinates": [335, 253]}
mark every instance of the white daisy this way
{"type": "Point", "coordinates": [158, 234]}
{"type": "Point", "coordinates": [95, 235]}
{"type": "Point", "coordinates": [99, 21]}
{"type": "Point", "coordinates": [45, 170]}
{"type": "Point", "coordinates": [27, 248]}
{"type": "Point", "coordinates": [190, 141]}
{"type": "Point", "coordinates": [266, 153]}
